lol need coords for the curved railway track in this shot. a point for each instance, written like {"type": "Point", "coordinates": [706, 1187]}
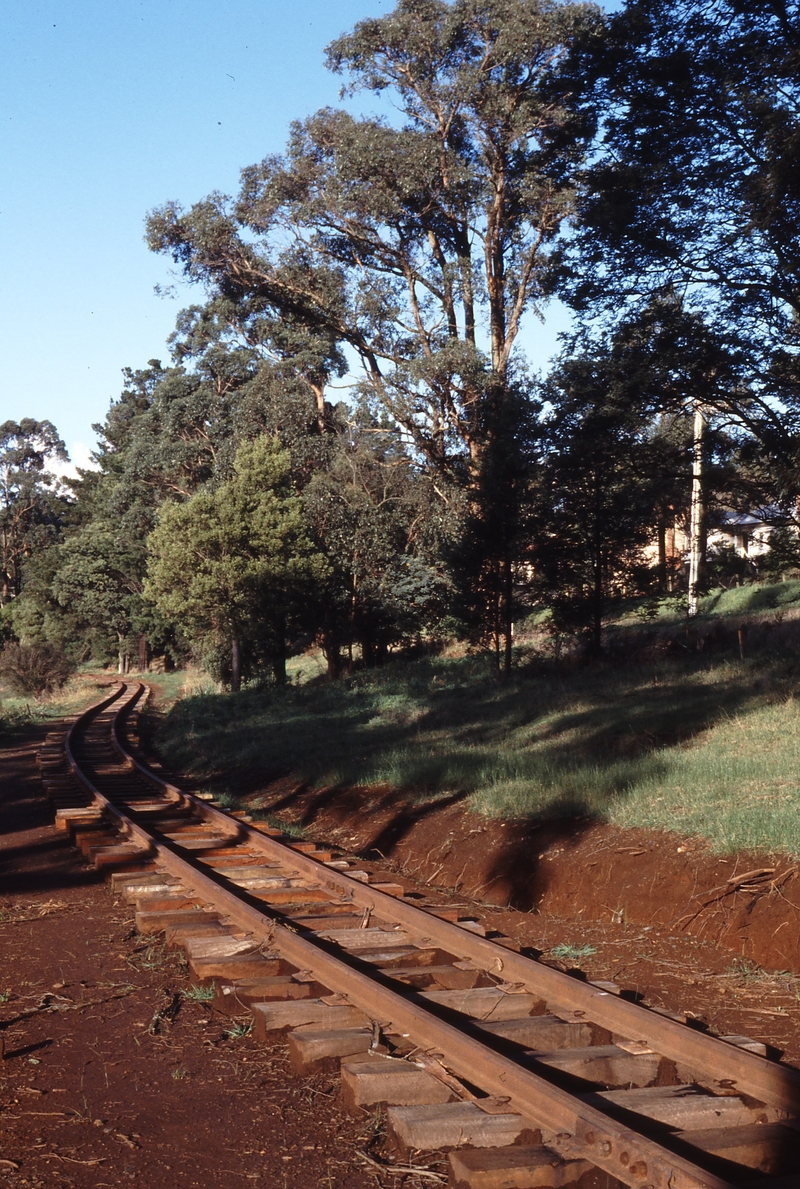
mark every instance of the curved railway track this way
{"type": "Point", "coordinates": [529, 1075]}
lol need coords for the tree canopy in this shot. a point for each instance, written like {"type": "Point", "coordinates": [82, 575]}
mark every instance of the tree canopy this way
{"type": "Point", "coordinates": [223, 562]}
{"type": "Point", "coordinates": [491, 154]}
{"type": "Point", "coordinates": [31, 505]}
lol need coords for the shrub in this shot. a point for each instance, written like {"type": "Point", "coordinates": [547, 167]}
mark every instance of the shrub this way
{"type": "Point", "coordinates": [34, 668]}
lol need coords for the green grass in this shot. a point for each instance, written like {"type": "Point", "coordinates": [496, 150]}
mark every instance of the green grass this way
{"type": "Point", "coordinates": [754, 599]}
{"type": "Point", "coordinates": [239, 1030]}
{"type": "Point", "coordinates": [169, 688]}
{"type": "Point", "coordinates": [738, 786]}
{"type": "Point", "coordinates": [757, 598]}
{"type": "Point", "coordinates": [199, 994]}
{"type": "Point", "coordinates": [572, 953]}
{"type": "Point", "coordinates": [290, 829]}
{"type": "Point", "coordinates": [702, 743]}
{"type": "Point", "coordinates": [18, 711]}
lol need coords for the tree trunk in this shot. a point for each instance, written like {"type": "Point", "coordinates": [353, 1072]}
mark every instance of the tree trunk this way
{"type": "Point", "coordinates": [143, 654]}
{"type": "Point", "coordinates": [495, 597]}
{"type": "Point", "coordinates": [332, 654]}
{"type": "Point", "coordinates": [236, 664]}
{"type": "Point", "coordinates": [696, 521]}
{"type": "Point", "coordinates": [508, 615]}
{"type": "Point", "coordinates": [597, 605]}
{"type": "Point", "coordinates": [661, 571]}
{"type": "Point", "coordinates": [368, 651]}
{"type": "Point", "coordinates": [279, 658]}
{"type": "Point", "coordinates": [121, 658]}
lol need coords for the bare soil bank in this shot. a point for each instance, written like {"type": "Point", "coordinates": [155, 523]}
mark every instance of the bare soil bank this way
{"type": "Point", "coordinates": [573, 868]}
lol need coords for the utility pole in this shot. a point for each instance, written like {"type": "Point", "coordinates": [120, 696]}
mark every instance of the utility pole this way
{"type": "Point", "coordinates": [696, 515]}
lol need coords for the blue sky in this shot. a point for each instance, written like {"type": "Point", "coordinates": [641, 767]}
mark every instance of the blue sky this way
{"type": "Point", "coordinates": [107, 109]}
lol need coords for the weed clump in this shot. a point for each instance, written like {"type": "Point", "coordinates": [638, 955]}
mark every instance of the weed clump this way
{"type": "Point", "coordinates": [572, 953]}
{"type": "Point", "coordinates": [34, 669]}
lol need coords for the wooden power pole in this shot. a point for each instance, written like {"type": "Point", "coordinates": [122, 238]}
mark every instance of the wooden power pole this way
{"type": "Point", "coordinates": [696, 535]}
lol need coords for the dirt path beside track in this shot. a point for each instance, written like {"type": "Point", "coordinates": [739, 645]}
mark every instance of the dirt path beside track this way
{"type": "Point", "coordinates": [93, 1092]}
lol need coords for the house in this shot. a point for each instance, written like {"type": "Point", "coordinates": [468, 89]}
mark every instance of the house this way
{"type": "Point", "coordinates": [746, 534]}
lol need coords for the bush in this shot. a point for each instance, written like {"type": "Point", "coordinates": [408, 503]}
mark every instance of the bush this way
{"type": "Point", "coordinates": [34, 668]}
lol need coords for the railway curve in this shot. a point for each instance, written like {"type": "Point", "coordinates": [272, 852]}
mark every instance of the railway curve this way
{"type": "Point", "coordinates": [527, 1075]}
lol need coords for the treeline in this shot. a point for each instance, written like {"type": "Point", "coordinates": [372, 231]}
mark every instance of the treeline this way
{"type": "Point", "coordinates": [643, 167]}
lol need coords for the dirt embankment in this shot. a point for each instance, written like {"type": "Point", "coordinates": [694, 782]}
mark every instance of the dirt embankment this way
{"type": "Point", "coordinates": [748, 904]}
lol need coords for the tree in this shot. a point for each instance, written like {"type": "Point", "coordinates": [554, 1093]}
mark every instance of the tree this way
{"type": "Point", "coordinates": [419, 246]}
{"type": "Point", "coordinates": [32, 510]}
{"type": "Point", "coordinates": [379, 524]}
{"type": "Point", "coordinates": [600, 487]}
{"type": "Point", "coordinates": [98, 584]}
{"type": "Point", "coordinates": [696, 190]}
{"type": "Point", "coordinates": [237, 563]}
{"type": "Point", "coordinates": [620, 451]}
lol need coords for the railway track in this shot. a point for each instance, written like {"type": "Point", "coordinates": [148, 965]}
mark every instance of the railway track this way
{"type": "Point", "coordinates": [529, 1076]}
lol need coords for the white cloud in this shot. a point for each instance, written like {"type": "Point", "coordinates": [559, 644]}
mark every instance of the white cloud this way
{"type": "Point", "coordinates": [80, 456]}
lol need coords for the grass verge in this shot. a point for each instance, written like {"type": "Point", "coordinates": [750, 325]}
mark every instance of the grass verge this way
{"type": "Point", "coordinates": [18, 712]}
{"type": "Point", "coordinates": [706, 745]}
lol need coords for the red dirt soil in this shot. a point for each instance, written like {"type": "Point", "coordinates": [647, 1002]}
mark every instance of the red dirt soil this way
{"type": "Point", "coordinates": [666, 917]}
{"type": "Point", "coordinates": [98, 1089]}
{"type": "Point", "coordinates": [573, 867]}
{"type": "Point", "coordinates": [94, 1090]}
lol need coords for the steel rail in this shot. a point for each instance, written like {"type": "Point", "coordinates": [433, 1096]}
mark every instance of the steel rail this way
{"type": "Point", "coordinates": [774, 1084]}
{"type": "Point", "coordinates": [571, 1126]}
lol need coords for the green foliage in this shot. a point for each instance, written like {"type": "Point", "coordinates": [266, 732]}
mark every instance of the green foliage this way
{"type": "Point", "coordinates": [380, 526]}
{"type": "Point", "coordinates": [783, 556]}
{"type": "Point", "coordinates": [602, 482]}
{"type": "Point", "coordinates": [32, 511]}
{"type": "Point", "coordinates": [97, 581]}
{"type": "Point", "coordinates": [755, 598]}
{"type": "Point", "coordinates": [18, 712]}
{"type": "Point", "coordinates": [199, 994]}
{"type": "Point", "coordinates": [572, 953]}
{"type": "Point", "coordinates": [237, 564]}
{"type": "Point", "coordinates": [419, 245]}
{"type": "Point", "coordinates": [239, 1029]}
{"type": "Point", "coordinates": [726, 566]}
{"type": "Point", "coordinates": [697, 741]}
{"type": "Point", "coordinates": [236, 515]}
{"type": "Point", "coordinates": [695, 188]}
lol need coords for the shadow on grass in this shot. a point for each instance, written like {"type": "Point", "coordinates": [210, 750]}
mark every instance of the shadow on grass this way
{"type": "Point", "coordinates": [541, 749]}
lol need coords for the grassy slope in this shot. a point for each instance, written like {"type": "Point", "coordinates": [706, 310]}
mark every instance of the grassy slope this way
{"type": "Point", "coordinates": [706, 744]}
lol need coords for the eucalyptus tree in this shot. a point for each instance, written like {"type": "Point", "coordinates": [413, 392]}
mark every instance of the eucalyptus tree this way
{"type": "Point", "coordinates": [418, 242]}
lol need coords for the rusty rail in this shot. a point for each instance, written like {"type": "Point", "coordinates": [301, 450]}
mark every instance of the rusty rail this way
{"type": "Point", "coordinates": [570, 1125]}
